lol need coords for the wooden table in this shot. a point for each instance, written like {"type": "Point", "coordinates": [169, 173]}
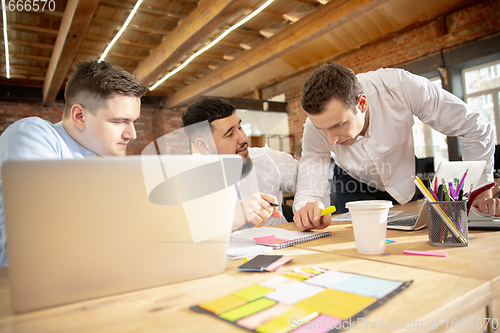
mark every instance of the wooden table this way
{"type": "Point", "coordinates": [432, 298]}
{"type": "Point", "coordinates": [480, 260]}
{"type": "Point", "coordinates": [436, 297]}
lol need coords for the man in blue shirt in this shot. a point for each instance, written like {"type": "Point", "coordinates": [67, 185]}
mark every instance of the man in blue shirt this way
{"type": "Point", "coordinates": [102, 103]}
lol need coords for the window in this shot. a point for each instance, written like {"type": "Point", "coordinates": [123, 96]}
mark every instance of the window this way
{"type": "Point", "coordinates": [429, 142]}
{"type": "Point", "coordinates": [482, 91]}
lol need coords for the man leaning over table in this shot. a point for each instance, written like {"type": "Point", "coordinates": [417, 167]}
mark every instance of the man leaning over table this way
{"type": "Point", "coordinates": [266, 172]}
{"type": "Point", "coordinates": [102, 103]}
{"type": "Point", "coordinates": [366, 121]}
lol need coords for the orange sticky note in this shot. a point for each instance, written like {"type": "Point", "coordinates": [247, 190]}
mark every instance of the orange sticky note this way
{"type": "Point", "coordinates": [338, 303]}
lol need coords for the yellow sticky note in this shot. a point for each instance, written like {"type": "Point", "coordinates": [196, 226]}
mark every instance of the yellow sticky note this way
{"type": "Point", "coordinates": [310, 270]}
{"type": "Point", "coordinates": [253, 292]}
{"type": "Point", "coordinates": [288, 320]}
{"type": "Point", "coordinates": [338, 303]}
{"type": "Point", "coordinates": [297, 276]}
{"type": "Point", "coordinates": [223, 304]}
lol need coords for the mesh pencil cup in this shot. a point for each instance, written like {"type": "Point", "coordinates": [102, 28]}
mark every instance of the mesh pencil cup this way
{"type": "Point", "coordinates": [440, 215]}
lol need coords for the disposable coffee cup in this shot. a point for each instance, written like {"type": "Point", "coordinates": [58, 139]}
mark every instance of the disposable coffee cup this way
{"type": "Point", "coordinates": [369, 221]}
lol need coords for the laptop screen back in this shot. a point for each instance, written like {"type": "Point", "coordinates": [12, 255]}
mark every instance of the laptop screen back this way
{"type": "Point", "coordinates": [79, 229]}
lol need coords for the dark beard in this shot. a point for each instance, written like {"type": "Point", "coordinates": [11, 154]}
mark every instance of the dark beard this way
{"type": "Point", "coordinates": [247, 167]}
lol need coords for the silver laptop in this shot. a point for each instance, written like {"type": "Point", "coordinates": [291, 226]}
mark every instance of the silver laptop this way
{"type": "Point", "coordinates": [409, 222]}
{"type": "Point", "coordinates": [80, 229]}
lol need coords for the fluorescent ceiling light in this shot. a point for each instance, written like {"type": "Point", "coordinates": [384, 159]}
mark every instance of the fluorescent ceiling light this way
{"type": "Point", "coordinates": [121, 30]}
{"type": "Point", "coordinates": [5, 40]}
{"type": "Point", "coordinates": [215, 41]}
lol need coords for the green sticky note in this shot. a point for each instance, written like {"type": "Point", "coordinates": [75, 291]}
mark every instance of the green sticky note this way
{"type": "Point", "coordinates": [253, 292]}
{"type": "Point", "coordinates": [247, 309]}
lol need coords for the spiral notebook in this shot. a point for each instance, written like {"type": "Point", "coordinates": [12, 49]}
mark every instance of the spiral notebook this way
{"type": "Point", "coordinates": [243, 244]}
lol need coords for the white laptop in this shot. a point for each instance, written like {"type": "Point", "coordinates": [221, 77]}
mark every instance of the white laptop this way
{"type": "Point", "coordinates": [456, 169]}
{"type": "Point", "coordinates": [80, 229]}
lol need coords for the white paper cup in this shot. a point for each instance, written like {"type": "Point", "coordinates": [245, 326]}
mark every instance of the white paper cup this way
{"type": "Point", "coordinates": [369, 221]}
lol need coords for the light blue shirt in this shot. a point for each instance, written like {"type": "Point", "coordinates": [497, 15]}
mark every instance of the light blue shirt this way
{"type": "Point", "coordinates": [34, 138]}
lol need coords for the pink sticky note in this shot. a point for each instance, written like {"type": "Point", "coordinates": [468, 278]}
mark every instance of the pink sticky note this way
{"type": "Point", "coordinates": [423, 253]}
{"type": "Point", "coordinates": [270, 240]}
{"type": "Point", "coordinates": [320, 324]}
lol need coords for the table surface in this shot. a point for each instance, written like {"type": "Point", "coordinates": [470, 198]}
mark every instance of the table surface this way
{"type": "Point", "coordinates": [480, 259]}
{"type": "Point", "coordinates": [439, 292]}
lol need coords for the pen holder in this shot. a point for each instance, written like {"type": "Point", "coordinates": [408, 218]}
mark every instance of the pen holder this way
{"type": "Point", "coordinates": [447, 220]}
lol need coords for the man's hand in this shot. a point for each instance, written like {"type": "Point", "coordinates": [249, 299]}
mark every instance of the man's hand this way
{"type": "Point", "coordinates": [256, 209]}
{"type": "Point", "coordinates": [309, 217]}
{"type": "Point", "coordinates": [487, 206]}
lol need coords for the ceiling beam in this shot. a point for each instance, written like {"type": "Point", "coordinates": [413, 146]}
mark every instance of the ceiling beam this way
{"type": "Point", "coordinates": [26, 56]}
{"type": "Point", "coordinates": [30, 44]}
{"type": "Point", "coordinates": [43, 31]}
{"type": "Point", "coordinates": [331, 16]}
{"type": "Point", "coordinates": [131, 27]}
{"type": "Point", "coordinates": [97, 54]}
{"type": "Point", "coordinates": [202, 21]}
{"type": "Point", "coordinates": [75, 21]}
{"type": "Point", "coordinates": [120, 41]}
{"type": "Point", "coordinates": [144, 9]}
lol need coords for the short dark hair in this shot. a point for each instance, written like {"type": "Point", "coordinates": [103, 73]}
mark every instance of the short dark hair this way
{"type": "Point", "coordinates": [330, 81]}
{"type": "Point", "coordinates": [94, 82]}
{"type": "Point", "coordinates": [207, 108]}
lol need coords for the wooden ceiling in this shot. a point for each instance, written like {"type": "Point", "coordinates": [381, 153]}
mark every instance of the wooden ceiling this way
{"type": "Point", "coordinates": [285, 38]}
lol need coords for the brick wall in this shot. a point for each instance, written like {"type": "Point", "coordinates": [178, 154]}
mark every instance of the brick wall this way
{"type": "Point", "coordinates": [478, 21]}
{"type": "Point", "coordinates": [153, 122]}
{"type": "Point", "coordinates": [10, 111]}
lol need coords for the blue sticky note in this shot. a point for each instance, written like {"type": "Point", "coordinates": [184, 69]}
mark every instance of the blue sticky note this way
{"type": "Point", "coordinates": [294, 293]}
{"type": "Point", "coordinates": [366, 286]}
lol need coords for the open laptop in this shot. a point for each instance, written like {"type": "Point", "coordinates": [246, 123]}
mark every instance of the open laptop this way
{"type": "Point", "coordinates": [456, 169]}
{"type": "Point", "coordinates": [409, 222]}
{"type": "Point", "coordinates": [80, 229]}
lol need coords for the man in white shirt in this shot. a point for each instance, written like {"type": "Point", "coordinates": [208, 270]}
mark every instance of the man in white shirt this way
{"type": "Point", "coordinates": [266, 172]}
{"type": "Point", "coordinates": [366, 121]}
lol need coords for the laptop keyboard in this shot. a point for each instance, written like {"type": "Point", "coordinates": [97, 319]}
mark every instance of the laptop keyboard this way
{"type": "Point", "coordinates": [404, 221]}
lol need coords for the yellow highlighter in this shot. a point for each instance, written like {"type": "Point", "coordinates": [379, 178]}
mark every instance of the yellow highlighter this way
{"type": "Point", "coordinates": [328, 211]}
